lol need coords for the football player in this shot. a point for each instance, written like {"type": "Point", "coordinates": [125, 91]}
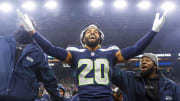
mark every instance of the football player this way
{"type": "Point", "coordinates": [92, 62]}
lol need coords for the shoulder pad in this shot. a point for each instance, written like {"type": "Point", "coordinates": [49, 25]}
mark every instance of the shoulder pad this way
{"type": "Point", "coordinates": [75, 48]}
{"type": "Point", "coordinates": [108, 48]}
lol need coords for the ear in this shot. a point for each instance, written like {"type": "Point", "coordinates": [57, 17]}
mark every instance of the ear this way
{"type": "Point", "coordinates": [155, 67]}
{"type": "Point", "coordinates": [83, 40]}
{"type": "Point", "coordinates": [100, 41]}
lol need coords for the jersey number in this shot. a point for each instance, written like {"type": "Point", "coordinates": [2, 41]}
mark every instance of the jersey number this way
{"type": "Point", "coordinates": [83, 80]}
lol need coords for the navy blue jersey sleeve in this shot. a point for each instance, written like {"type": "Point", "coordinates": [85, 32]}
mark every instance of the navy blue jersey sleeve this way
{"type": "Point", "coordinates": [75, 52]}
{"type": "Point", "coordinates": [49, 48]}
{"type": "Point", "coordinates": [139, 47]}
{"type": "Point", "coordinates": [112, 48]}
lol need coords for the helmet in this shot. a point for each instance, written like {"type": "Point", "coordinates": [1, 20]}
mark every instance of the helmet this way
{"type": "Point", "coordinates": [91, 26]}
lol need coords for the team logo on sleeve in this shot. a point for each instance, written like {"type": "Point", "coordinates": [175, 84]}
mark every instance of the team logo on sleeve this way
{"type": "Point", "coordinates": [29, 59]}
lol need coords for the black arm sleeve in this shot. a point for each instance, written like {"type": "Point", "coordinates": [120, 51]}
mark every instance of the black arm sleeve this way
{"type": "Point", "coordinates": [139, 47]}
{"type": "Point", "coordinates": [49, 48]}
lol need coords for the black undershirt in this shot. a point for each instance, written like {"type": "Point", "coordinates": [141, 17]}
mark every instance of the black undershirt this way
{"type": "Point", "coordinates": [152, 89]}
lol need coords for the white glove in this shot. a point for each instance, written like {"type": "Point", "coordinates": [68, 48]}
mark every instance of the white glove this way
{"type": "Point", "coordinates": [25, 21]}
{"type": "Point", "coordinates": [159, 22]}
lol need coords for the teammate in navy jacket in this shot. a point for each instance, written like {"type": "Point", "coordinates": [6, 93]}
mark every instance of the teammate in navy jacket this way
{"type": "Point", "coordinates": [93, 63]}
{"type": "Point", "coordinates": [22, 65]}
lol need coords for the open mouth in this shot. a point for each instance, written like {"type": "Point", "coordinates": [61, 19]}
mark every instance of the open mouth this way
{"type": "Point", "coordinates": [143, 68]}
{"type": "Point", "coordinates": [92, 37]}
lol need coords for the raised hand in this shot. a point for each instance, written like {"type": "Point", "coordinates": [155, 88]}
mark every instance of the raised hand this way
{"type": "Point", "coordinates": [159, 22]}
{"type": "Point", "coordinates": [25, 21]}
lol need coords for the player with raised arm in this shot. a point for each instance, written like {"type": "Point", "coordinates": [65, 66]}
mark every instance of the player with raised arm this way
{"type": "Point", "coordinates": [93, 63]}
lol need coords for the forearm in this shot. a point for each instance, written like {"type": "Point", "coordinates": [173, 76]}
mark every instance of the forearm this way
{"type": "Point", "coordinates": [139, 47]}
{"type": "Point", "coordinates": [42, 41]}
{"type": "Point", "coordinates": [49, 48]}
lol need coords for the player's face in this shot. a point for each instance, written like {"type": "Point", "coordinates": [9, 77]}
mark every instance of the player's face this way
{"type": "Point", "coordinates": [146, 63]}
{"type": "Point", "coordinates": [92, 37]}
{"type": "Point", "coordinates": [147, 66]}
